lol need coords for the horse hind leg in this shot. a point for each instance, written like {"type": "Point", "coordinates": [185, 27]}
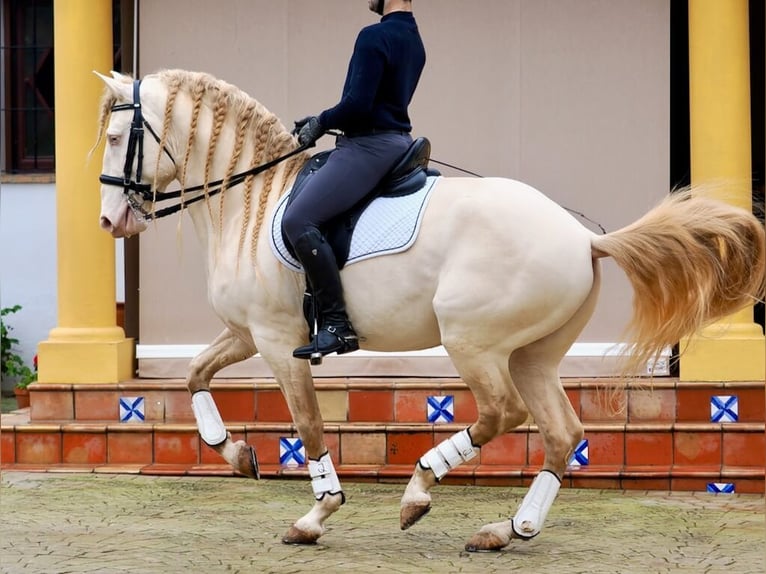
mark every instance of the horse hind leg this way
{"type": "Point", "coordinates": [500, 409]}
{"type": "Point", "coordinates": [225, 350]}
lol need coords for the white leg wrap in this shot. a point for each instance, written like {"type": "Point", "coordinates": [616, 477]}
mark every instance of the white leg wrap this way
{"type": "Point", "coordinates": [450, 453]}
{"type": "Point", "coordinates": [209, 420]}
{"type": "Point", "coordinates": [529, 520]}
{"type": "Point", "coordinates": [323, 476]}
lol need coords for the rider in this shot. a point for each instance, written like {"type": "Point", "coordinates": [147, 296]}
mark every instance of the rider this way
{"type": "Point", "coordinates": [385, 67]}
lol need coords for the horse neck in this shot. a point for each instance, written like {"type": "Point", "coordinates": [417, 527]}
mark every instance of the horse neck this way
{"type": "Point", "coordinates": [225, 143]}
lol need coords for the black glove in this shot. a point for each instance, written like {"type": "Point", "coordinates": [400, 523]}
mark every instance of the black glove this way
{"type": "Point", "coordinates": [308, 130]}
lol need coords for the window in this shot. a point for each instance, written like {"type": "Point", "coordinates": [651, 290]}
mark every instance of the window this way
{"type": "Point", "coordinates": [27, 98]}
{"type": "Point", "coordinates": [29, 94]}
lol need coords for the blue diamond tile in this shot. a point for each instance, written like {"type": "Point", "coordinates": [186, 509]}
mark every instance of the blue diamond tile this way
{"type": "Point", "coordinates": [580, 455]}
{"type": "Point", "coordinates": [291, 452]}
{"type": "Point", "coordinates": [132, 409]}
{"type": "Point", "coordinates": [441, 409]}
{"type": "Point", "coordinates": [724, 409]}
{"type": "Point", "coordinates": [721, 487]}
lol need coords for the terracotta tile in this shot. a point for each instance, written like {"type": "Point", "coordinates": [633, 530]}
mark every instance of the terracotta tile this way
{"type": "Point", "coordinates": [51, 406]}
{"type": "Point", "coordinates": [363, 448]}
{"type": "Point", "coordinates": [375, 406]}
{"type": "Point", "coordinates": [606, 448]}
{"type": "Point", "coordinates": [645, 483]}
{"type": "Point", "coordinates": [332, 442]}
{"type": "Point", "coordinates": [410, 406]}
{"type": "Point", "coordinates": [691, 484]}
{"type": "Point", "coordinates": [97, 405]}
{"type": "Point", "coordinates": [535, 450]}
{"type": "Point", "coordinates": [272, 407]}
{"type": "Point", "coordinates": [600, 482]}
{"type": "Point", "coordinates": [333, 405]}
{"type": "Point", "coordinates": [693, 405]}
{"type": "Point", "coordinates": [236, 405]}
{"type": "Point", "coordinates": [7, 447]}
{"type": "Point", "coordinates": [209, 456]}
{"type": "Point", "coordinates": [178, 406]}
{"type": "Point", "coordinates": [648, 448]}
{"type": "Point", "coordinates": [507, 449]}
{"type": "Point", "coordinates": [82, 448]}
{"type": "Point", "coordinates": [751, 404]}
{"type": "Point", "coordinates": [154, 403]}
{"type": "Point", "coordinates": [606, 404]}
{"type": "Point", "coordinates": [266, 446]}
{"type": "Point", "coordinates": [176, 448]}
{"type": "Point", "coordinates": [129, 447]}
{"type": "Point", "coordinates": [574, 398]}
{"type": "Point", "coordinates": [168, 469]}
{"type": "Point", "coordinates": [38, 448]}
{"type": "Point", "coordinates": [749, 486]}
{"type": "Point", "coordinates": [652, 405]}
{"type": "Point", "coordinates": [407, 447]}
{"type": "Point", "coordinates": [743, 449]}
{"type": "Point", "coordinates": [696, 448]}
{"type": "Point", "coordinates": [465, 406]}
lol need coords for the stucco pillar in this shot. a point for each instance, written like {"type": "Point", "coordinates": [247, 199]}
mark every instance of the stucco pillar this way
{"type": "Point", "coordinates": [87, 345]}
{"type": "Point", "coordinates": [719, 87]}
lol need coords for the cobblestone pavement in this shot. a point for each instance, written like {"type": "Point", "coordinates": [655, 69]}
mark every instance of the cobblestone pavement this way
{"type": "Point", "coordinates": [80, 523]}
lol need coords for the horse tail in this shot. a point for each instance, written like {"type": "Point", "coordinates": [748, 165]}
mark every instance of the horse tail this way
{"type": "Point", "coordinates": [691, 261]}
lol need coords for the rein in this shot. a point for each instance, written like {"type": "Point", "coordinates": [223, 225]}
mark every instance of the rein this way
{"type": "Point", "coordinates": [132, 187]}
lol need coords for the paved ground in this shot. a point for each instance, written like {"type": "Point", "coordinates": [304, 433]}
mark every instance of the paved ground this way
{"type": "Point", "coordinates": [80, 523]}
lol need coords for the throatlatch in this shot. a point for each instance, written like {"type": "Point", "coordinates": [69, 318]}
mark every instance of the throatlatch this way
{"type": "Point", "coordinates": [324, 479]}
{"type": "Point", "coordinates": [450, 453]}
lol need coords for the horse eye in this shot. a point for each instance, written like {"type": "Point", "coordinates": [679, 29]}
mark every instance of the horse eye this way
{"type": "Point", "coordinates": [113, 140]}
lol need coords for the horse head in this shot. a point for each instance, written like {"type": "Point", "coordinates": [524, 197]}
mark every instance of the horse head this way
{"type": "Point", "coordinates": [134, 167]}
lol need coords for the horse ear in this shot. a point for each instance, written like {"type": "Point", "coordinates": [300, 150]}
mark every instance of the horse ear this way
{"type": "Point", "coordinates": [118, 88]}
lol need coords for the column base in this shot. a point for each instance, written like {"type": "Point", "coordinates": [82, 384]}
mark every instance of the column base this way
{"type": "Point", "coordinates": [737, 353]}
{"type": "Point", "coordinates": [82, 361]}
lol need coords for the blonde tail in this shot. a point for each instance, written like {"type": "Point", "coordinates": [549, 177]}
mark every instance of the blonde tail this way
{"type": "Point", "coordinates": [691, 261]}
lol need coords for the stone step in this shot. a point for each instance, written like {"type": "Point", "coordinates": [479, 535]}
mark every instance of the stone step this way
{"type": "Point", "coordinates": [396, 400]}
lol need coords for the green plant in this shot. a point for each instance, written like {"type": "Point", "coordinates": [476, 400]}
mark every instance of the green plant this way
{"type": "Point", "coordinates": [11, 363]}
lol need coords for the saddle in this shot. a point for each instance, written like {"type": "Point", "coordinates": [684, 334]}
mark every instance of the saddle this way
{"type": "Point", "coordinates": [407, 176]}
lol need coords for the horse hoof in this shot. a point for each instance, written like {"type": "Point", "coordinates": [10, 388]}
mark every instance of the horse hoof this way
{"type": "Point", "coordinates": [297, 536]}
{"type": "Point", "coordinates": [247, 462]}
{"type": "Point", "coordinates": [485, 542]}
{"type": "Point", "coordinates": [411, 513]}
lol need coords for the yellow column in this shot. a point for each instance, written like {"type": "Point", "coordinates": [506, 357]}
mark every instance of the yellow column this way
{"type": "Point", "coordinates": [719, 63]}
{"type": "Point", "coordinates": [86, 346]}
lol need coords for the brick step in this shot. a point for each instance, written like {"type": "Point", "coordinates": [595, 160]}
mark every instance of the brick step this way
{"type": "Point", "coordinates": [618, 449]}
{"type": "Point", "coordinates": [389, 400]}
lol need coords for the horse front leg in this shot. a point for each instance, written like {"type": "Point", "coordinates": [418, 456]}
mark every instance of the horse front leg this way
{"type": "Point", "coordinates": [296, 382]}
{"type": "Point", "coordinates": [225, 350]}
{"type": "Point", "coordinates": [500, 409]}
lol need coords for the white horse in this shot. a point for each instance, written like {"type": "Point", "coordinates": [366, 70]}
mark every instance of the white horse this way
{"type": "Point", "coordinates": [500, 275]}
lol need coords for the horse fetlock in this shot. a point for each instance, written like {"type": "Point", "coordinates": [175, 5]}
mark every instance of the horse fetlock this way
{"type": "Point", "coordinates": [491, 537]}
{"type": "Point", "coordinates": [529, 520]}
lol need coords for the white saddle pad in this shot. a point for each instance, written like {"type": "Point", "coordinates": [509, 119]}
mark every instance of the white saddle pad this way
{"type": "Point", "coordinates": [388, 225]}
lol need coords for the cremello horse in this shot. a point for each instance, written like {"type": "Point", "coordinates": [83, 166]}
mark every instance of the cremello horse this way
{"type": "Point", "coordinates": [501, 276]}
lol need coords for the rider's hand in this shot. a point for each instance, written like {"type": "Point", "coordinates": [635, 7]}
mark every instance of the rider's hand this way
{"type": "Point", "coordinates": [308, 130]}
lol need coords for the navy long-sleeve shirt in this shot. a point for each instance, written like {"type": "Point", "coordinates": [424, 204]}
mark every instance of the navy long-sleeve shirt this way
{"type": "Point", "coordinates": [382, 76]}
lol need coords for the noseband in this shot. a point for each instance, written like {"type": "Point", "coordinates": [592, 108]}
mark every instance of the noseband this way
{"type": "Point", "coordinates": [134, 187]}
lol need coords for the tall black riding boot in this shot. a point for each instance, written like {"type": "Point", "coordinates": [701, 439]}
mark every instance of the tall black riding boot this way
{"type": "Point", "coordinates": [335, 334]}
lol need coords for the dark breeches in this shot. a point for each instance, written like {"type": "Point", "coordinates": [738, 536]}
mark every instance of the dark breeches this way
{"type": "Point", "coordinates": [352, 171]}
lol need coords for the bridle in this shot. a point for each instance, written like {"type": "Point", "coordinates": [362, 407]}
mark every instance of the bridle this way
{"type": "Point", "coordinates": [133, 189]}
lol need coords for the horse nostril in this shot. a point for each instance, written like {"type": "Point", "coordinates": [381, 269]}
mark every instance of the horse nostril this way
{"type": "Point", "coordinates": [106, 224]}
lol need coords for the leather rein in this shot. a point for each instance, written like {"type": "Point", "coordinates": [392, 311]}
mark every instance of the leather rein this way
{"type": "Point", "coordinates": [134, 187]}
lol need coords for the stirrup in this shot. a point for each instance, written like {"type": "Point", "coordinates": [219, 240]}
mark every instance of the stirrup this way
{"type": "Point", "coordinates": [326, 341]}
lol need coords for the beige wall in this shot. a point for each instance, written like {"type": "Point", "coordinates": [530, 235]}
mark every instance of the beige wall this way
{"type": "Point", "coordinates": [571, 96]}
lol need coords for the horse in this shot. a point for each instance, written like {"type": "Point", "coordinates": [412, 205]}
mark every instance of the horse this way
{"type": "Point", "coordinates": [500, 275]}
